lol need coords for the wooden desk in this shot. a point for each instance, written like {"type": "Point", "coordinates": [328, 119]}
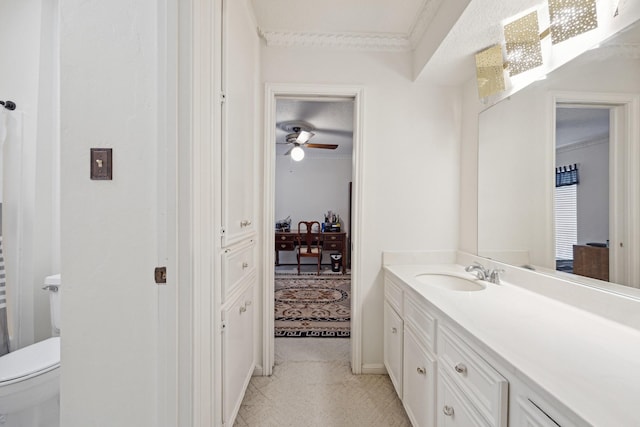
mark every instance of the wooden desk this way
{"type": "Point", "coordinates": [331, 241]}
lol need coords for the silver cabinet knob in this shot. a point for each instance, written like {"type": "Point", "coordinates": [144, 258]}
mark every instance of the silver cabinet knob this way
{"type": "Point", "coordinates": [245, 265]}
{"type": "Point", "coordinates": [447, 410]}
{"type": "Point", "coordinates": [243, 309]}
{"type": "Point", "coordinates": [461, 368]}
{"type": "Point", "coordinates": [421, 370]}
{"type": "Point", "coordinates": [394, 330]}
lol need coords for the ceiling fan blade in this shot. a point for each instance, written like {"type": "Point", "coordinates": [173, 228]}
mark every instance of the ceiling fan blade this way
{"type": "Point", "coordinates": [289, 151]}
{"type": "Point", "coordinates": [325, 146]}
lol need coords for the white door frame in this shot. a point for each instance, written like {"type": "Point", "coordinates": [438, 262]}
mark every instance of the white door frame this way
{"type": "Point", "coordinates": [273, 91]}
{"type": "Point", "coordinates": [189, 87]}
{"type": "Point", "coordinates": [624, 184]}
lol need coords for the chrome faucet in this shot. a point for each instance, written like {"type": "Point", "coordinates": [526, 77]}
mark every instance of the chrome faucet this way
{"type": "Point", "coordinates": [492, 276]}
{"type": "Point", "coordinates": [480, 271]}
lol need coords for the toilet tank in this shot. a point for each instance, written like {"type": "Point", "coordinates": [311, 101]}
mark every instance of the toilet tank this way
{"type": "Point", "coordinates": [52, 284]}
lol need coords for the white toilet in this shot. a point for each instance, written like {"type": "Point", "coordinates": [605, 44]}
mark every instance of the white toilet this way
{"type": "Point", "coordinates": [30, 376]}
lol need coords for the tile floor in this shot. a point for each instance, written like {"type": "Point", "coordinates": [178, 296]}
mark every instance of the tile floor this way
{"type": "Point", "coordinates": [312, 386]}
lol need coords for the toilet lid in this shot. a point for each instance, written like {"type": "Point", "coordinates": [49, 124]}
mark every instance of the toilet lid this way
{"type": "Point", "coordinates": [29, 360]}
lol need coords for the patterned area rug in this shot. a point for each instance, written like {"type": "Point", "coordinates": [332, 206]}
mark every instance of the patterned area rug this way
{"type": "Point", "coordinates": [312, 306]}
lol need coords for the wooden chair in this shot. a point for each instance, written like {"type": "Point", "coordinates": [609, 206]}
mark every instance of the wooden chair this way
{"type": "Point", "coordinates": [309, 242]}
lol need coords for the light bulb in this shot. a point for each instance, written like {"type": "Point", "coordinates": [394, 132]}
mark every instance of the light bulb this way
{"type": "Point", "coordinates": [297, 154]}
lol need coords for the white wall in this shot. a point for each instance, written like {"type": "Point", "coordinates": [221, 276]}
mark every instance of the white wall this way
{"type": "Point", "coordinates": [109, 69]}
{"type": "Point", "coordinates": [410, 160]}
{"type": "Point", "coordinates": [28, 76]}
{"type": "Point", "coordinates": [307, 189]}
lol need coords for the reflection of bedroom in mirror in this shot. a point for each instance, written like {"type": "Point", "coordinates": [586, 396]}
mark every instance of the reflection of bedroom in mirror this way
{"type": "Point", "coordinates": [593, 104]}
{"type": "Point", "coordinates": [581, 199]}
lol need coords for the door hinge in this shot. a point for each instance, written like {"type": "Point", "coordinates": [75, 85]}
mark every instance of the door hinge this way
{"type": "Point", "coordinates": [222, 231]}
{"type": "Point", "coordinates": [160, 275]}
{"type": "Point", "coordinates": [223, 326]}
{"type": "Point", "coordinates": [223, 97]}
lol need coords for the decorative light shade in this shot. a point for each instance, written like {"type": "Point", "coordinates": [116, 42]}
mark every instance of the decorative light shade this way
{"type": "Point", "coordinates": [489, 71]}
{"type": "Point", "coordinates": [297, 153]}
{"type": "Point", "coordinates": [524, 50]}
{"type": "Point", "coordinates": [570, 18]}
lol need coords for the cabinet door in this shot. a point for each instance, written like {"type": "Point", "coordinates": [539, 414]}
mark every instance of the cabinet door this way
{"type": "Point", "coordinates": [454, 408]}
{"type": "Point", "coordinates": [393, 346]}
{"type": "Point", "coordinates": [240, 123]}
{"type": "Point", "coordinates": [419, 381]}
{"type": "Point", "coordinates": [237, 352]}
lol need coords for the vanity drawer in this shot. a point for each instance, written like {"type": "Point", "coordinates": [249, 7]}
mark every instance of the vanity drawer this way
{"type": "Point", "coordinates": [393, 295]}
{"type": "Point", "coordinates": [484, 386]}
{"type": "Point", "coordinates": [237, 263]}
{"type": "Point", "coordinates": [420, 321]}
{"type": "Point", "coordinates": [454, 409]}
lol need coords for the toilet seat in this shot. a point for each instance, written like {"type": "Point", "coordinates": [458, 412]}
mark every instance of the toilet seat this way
{"type": "Point", "coordinates": [30, 361]}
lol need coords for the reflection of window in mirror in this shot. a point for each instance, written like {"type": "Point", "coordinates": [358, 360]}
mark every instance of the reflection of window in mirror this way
{"type": "Point", "coordinates": [582, 190]}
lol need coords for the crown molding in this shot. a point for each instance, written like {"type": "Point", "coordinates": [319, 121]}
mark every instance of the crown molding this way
{"type": "Point", "coordinates": [383, 42]}
{"type": "Point", "coordinates": [351, 41]}
{"type": "Point", "coordinates": [582, 143]}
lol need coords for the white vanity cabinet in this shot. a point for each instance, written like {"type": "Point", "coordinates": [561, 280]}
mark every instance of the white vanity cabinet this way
{"type": "Point", "coordinates": [237, 348]}
{"type": "Point", "coordinates": [445, 382]}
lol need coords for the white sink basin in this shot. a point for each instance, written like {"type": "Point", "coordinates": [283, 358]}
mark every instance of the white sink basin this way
{"type": "Point", "coordinates": [452, 283]}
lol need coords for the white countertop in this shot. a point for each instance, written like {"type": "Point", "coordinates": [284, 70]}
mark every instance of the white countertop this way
{"type": "Point", "coordinates": [589, 363]}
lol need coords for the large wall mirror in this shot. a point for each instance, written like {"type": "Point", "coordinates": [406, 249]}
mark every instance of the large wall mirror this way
{"type": "Point", "coordinates": [534, 209]}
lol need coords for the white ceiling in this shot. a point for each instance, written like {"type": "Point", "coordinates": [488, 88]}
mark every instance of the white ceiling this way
{"type": "Point", "coordinates": [575, 125]}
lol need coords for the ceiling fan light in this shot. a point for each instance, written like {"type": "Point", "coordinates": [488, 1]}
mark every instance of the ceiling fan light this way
{"type": "Point", "coordinates": [304, 136]}
{"type": "Point", "coordinates": [297, 154]}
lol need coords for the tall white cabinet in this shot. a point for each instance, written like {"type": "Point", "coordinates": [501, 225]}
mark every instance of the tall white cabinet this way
{"type": "Point", "coordinates": [239, 150]}
{"type": "Point", "coordinates": [241, 101]}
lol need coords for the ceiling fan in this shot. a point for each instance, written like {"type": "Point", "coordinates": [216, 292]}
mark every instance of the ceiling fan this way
{"type": "Point", "coordinates": [299, 136]}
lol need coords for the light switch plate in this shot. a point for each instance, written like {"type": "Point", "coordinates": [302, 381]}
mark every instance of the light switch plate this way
{"type": "Point", "coordinates": [101, 166]}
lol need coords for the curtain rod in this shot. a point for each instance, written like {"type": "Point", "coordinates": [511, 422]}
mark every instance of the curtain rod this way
{"type": "Point", "coordinates": [9, 105]}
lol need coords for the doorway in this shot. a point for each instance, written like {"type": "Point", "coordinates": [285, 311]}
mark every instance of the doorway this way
{"type": "Point", "coordinates": [582, 196]}
{"type": "Point", "coordinates": [277, 151]}
{"type": "Point", "coordinates": [623, 202]}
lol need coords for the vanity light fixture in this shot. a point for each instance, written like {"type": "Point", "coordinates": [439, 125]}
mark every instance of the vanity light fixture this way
{"type": "Point", "coordinates": [570, 18]}
{"type": "Point", "coordinates": [297, 153]}
{"type": "Point", "coordinates": [490, 71]}
{"type": "Point", "coordinates": [524, 50]}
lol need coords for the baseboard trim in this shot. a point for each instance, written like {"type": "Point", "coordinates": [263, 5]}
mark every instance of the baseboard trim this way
{"type": "Point", "coordinates": [258, 371]}
{"type": "Point", "coordinates": [374, 369]}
